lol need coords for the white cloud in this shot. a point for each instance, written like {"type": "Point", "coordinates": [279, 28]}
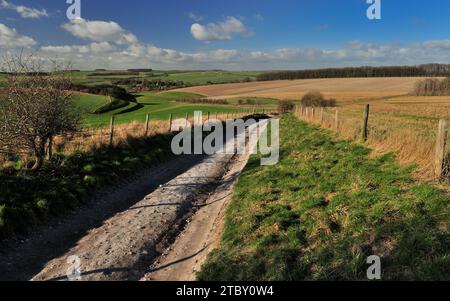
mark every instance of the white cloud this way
{"type": "Point", "coordinates": [25, 12]}
{"type": "Point", "coordinates": [220, 31]}
{"type": "Point", "coordinates": [93, 48]}
{"type": "Point", "coordinates": [195, 17]}
{"type": "Point", "coordinates": [356, 53]}
{"type": "Point", "coordinates": [100, 31]}
{"type": "Point", "coordinates": [9, 38]}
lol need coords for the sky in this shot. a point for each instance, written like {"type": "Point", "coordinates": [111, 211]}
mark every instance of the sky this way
{"type": "Point", "coordinates": [232, 34]}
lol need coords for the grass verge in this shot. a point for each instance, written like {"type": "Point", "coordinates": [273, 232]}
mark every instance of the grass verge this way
{"type": "Point", "coordinates": [324, 209]}
{"type": "Point", "coordinates": [27, 198]}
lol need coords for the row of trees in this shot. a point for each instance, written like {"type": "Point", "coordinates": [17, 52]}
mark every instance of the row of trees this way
{"type": "Point", "coordinates": [139, 84]}
{"type": "Point", "coordinates": [432, 87]}
{"type": "Point", "coordinates": [387, 71]}
{"type": "Point", "coordinates": [104, 89]}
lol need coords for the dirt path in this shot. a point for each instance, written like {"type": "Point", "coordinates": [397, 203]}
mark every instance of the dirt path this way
{"type": "Point", "coordinates": [126, 245]}
{"type": "Point", "coordinates": [21, 259]}
{"type": "Point", "coordinates": [202, 234]}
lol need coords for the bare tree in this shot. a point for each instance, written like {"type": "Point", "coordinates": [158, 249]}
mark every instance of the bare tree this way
{"type": "Point", "coordinates": [36, 107]}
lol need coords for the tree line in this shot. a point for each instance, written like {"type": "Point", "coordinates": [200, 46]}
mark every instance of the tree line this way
{"type": "Point", "coordinates": [432, 87]}
{"type": "Point", "coordinates": [349, 72]}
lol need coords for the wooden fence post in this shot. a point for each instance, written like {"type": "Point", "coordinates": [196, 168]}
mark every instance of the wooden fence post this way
{"type": "Point", "coordinates": [111, 130]}
{"type": "Point", "coordinates": [147, 122]}
{"type": "Point", "coordinates": [336, 120]}
{"type": "Point", "coordinates": [50, 148]}
{"type": "Point", "coordinates": [170, 122]}
{"type": "Point", "coordinates": [441, 149]}
{"type": "Point", "coordinates": [365, 126]}
{"type": "Point", "coordinates": [313, 113]}
{"type": "Point", "coordinates": [321, 115]}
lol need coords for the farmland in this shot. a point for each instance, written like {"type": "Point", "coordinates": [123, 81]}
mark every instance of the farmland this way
{"type": "Point", "coordinates": [317, 215]}
{"type": "Point", "coordinates": [158, 105]}
{"type": "Point", "coordinates": [344, 89]}
{"type": "Point", "coordinates": [192, 77]}
{"type": "Point", "coordinates": [399, 122]}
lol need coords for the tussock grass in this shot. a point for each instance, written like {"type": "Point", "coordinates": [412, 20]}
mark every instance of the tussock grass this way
{"type": "Point", "coordinates": [324, 209]}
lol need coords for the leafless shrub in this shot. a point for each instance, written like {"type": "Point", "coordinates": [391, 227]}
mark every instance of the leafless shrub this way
{"type": "Point", "coordinates": [285, 106]}
{"type": "Point", "coordinates": [316, 99]}
{"type": "Point", "coordinates": [36, 107]}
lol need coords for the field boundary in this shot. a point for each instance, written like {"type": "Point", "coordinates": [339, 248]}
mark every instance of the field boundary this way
{"type": "Point", "coordinates": [435, 166]}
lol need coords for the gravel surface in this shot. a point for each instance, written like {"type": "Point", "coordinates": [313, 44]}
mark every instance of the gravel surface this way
{"type": "Point", "coordinates": [136, 232]}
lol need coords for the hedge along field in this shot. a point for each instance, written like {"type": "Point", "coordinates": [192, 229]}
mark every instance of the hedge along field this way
{"type": "Point", "coordinates": [158, 105]}
{"type": "Point", "coordinates": [324, 209]}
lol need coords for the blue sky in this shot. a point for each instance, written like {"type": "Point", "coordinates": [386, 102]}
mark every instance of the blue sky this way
{"type": "Point", "coordinates": [249, 34]}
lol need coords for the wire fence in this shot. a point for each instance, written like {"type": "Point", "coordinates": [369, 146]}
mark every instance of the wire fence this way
{"type": "Point", "coordinates": [413, 141]}
{"type": "Point", "coordinates": [119, 132]}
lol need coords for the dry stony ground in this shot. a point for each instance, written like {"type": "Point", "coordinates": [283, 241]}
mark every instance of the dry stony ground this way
{"type": "Point", "coordinates": [128, 244]}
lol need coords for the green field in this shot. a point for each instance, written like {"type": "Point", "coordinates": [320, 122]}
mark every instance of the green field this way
{"type": "Point", "coordinates": [90, 78]}
{"type": "Point", "coordinates": [90, 103]}
{"type": "Point", "coordinates": [324, 209]}
{"type": "Point", "coordinates": [192, 77]}
{"type": "Point", "coordinates": [216, 77]}
{"type": "Point", "coordinates": [158, 105]}
{"type": "Point", "coordinates": [2, 80]}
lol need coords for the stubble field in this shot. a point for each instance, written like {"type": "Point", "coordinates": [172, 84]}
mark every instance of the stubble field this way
{"type": "Point", "coordinates": [343, 89]}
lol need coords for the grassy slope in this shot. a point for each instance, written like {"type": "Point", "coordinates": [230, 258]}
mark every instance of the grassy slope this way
{"type": "Point", "coordinates": [90, 103]}
{"type": "Point", "coordinates": [324, 209]}
{"type": "Point", "coordinates": [158, 105]}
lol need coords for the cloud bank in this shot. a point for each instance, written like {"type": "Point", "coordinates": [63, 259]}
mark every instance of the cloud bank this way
{"type": "Point", "coordinates": [10, 39]}
{"type": "Point", "coordinates": [111, 46]}
{"type": "Point", "coordinates": [24, 11]}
